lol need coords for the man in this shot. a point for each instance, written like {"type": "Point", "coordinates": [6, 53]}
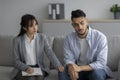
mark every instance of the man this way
{"type": "Point", "coordinates": [85, 51]}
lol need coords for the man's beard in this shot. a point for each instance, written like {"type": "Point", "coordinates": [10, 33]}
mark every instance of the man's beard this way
{"type": "Point", "coordinates": [83, 34]}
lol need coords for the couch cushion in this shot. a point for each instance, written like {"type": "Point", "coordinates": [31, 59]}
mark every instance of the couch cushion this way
{"type": "Point", "coordinates": [58, 48]}
{"type": "Point", "coordinates": [50, 40]}
{"type": "Point", "coordinates": [53, 75]}
{"type": "Point", "coordinates": [115, 75]}
{"type": "Point", "coordinates": [5, 73]}
{"type": "Point", "coordinates": [113, 52]}
{"type": "Point", "coordinates": [119, 70]}
{"type": "Point", "coordinates": [6, 58]}
{"type": "Point", "coordinates": [46, 59]}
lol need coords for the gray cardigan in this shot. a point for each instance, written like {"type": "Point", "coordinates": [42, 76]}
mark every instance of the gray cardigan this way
{"type": "Point", "coordinates": [42, 48]}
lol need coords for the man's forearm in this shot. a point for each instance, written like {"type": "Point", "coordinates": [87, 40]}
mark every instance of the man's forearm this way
{"type": "Point", "coordinates": [77, 68]}
{"type": "Point", "coordinates": [85, 68]}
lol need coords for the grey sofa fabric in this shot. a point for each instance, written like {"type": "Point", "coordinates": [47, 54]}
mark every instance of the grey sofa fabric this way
{"type": "Point", "coordinates": [6, 58]}
{"type": "Point", "coordinates": [113, 52]}
{"type": "Point", "coordinates": [114, 55]}
{"type": "Point", "coordinates": [53, 75]}
{"type": "Point", "coordinates": [119, 71]}
{"type": "Point", "coordinates": [5, 72]}
{"type": "Point", "coordinates": [58, 48]}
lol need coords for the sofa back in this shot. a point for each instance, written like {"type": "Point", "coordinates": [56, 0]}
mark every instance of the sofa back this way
{"type": "Point", "coordinates": [113, 50]}
{"type": "Point", "coordinates": [6, 57]}
{"type": "Point", "coordinates": [58, 43]}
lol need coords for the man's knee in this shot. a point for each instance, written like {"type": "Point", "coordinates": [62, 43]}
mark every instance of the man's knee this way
{"type": "Point", "coordinates": [97, 75]}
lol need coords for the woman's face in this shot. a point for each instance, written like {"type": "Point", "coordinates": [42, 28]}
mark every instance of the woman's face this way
{"type": "Point", "coordinates": [32, 29]}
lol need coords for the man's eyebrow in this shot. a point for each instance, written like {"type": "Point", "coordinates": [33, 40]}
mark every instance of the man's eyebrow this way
{"type": "Point", "coordinates": [81, 21]}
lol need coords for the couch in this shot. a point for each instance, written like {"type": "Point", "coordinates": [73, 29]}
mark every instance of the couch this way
{"type": "Point", "coordinates": [6, 57]}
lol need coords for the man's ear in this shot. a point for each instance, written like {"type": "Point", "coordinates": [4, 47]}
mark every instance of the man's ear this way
{"type": "Point", "coordinates": [24, 28]}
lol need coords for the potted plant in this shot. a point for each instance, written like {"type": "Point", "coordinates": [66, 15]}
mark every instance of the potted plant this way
{"type": "Point", "coordinates": [116, 10]}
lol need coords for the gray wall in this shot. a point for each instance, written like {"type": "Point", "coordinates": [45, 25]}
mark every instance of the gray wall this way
{"type": "Point", "coordinates": [63, 28]}
{"type": "Point", "coordinates": [12, 10]}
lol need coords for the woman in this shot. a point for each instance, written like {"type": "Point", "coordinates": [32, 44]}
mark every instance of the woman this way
{"type": "Point", "coordinates": [29, 48]}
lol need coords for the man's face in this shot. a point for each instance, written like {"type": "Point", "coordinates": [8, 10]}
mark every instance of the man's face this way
{"type": "Point", "coordinates": [80, 25]}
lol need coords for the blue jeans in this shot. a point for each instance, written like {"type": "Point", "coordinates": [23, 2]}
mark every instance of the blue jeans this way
{"type": "Point", "coordinates": [85, 75]}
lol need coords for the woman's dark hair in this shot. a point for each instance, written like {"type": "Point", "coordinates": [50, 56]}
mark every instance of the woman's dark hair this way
{"type": "Point", "coordinates": [77, 13]}
{"type": "Point", "coordinates": [26, 21]}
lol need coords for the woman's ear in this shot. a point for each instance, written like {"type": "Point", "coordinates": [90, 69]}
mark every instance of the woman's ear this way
{"type": "Point", "coordinates": [24, 28]}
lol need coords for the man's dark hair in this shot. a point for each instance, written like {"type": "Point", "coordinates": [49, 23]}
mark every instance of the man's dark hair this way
{"type": "Point", "coordinates": [77, 13]}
